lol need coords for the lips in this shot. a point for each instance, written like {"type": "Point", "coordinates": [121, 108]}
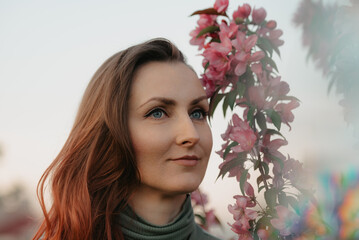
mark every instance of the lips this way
{"type": "Point", "coordinates": [187, 157]}
{"type": "Point", "coordinates": [187, 160]}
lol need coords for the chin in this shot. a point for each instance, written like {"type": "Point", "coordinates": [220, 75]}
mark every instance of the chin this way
{"type": "Point", "coordinates": [187, 186]}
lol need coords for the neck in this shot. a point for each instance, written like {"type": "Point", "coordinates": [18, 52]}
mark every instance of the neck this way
{"type": "Point", "coordinates": [155, 207]}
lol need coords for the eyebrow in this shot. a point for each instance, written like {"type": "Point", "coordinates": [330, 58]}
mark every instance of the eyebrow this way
{"type": "Point", "coordinates": [171, 102]}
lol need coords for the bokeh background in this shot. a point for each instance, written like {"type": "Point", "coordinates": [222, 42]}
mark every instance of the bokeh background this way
{"type": "Point", "coordinates": [50, 49]}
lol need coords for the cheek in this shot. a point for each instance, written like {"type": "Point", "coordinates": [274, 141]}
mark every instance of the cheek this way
{"type": "Point", "coordinates": [206, 138]}
{"type": "Point", "coordinates": [149, 143]}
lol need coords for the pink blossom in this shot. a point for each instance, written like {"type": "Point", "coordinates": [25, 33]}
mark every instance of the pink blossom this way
{"type": "Point", "coordinates": [259, 15]}
{"type": "Point", "coordinates": [225, 135]}
{"type": "Point", "coordinates": [243, 44]}
{"type": "Point", "coordinates": [248, 189]}
{"type": "Point", "coordinates": [199, 198]}
{"type": "Point", "coordinates": [242, 134]}
{"type": "Point", "coordinates": [270, 148]}
{"type": "Point", "coordinates": [199, 41]}
{"type": "Point", "coordinates": [285, 111]}
{"type": "Point", "coordinates": [257, 97]}
{"type": "Point", "coordinates": [271, 24]}
{"type": "Point", "coordinates": [286, 219]}
{"type": "Point", "coordinates": [278, 88]}
{"type": "Point", "coordinates": [217, 56]}
{"type": "Point", "coordinates": [221, 50]}
{"type": "Point", "coordinates": [208, 85]}
{"type": "Point", "coordinates": [205, 20]}
{"type": "Point", "coordinates": [228, 31]}
{"type": "Point", "coordinates": [211, 218]}
{"type": "Point", "coordinates": [243, 55]}
{"type": "Point", "coordinates": [215, 75]}
{"type": "Point", "coordinates": [257, 68]}
{"type": "Point", "coordinates": [242, 215]}
{"type": "Point", "coordinates": [242, 12]}
{"type": "Point", "coordinates": [272, 35]}
{"type": "Point", "coordinates": [221, 5]}
{"type": "Point", "coordinates": [237, 227]}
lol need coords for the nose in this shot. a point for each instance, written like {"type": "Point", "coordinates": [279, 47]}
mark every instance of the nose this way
{"type": "Point", "coordinates": [187, 133]}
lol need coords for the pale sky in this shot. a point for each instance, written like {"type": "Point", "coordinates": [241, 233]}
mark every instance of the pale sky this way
{"type": "Point", "coordinates": [50, 49]}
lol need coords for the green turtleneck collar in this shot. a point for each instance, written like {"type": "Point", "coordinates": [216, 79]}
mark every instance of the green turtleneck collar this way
{"type": "Point", "coordinates": [183, 227]}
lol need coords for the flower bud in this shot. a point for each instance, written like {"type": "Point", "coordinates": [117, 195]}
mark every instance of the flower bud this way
{"type": "Point", "coordinates": [221, 5]}
{"type": "Point", "coordinates": [242, 12]}
{"type": "Point", "coordinates": [259, 15]}
{"type": "Point", "coordinates": [271, 24]}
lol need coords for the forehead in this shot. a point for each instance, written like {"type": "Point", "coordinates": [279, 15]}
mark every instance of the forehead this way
{"type": "Point", "coordinates": [166, 79]}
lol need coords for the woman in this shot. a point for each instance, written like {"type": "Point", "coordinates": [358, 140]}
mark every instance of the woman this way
{"type": "Point", "coordinates": [140, 143]}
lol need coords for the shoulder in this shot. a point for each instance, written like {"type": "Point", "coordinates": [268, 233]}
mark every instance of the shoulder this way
{"type": "Point", "coordinates": [201, 234]}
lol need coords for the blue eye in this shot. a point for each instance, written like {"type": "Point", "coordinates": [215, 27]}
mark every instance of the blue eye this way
{"type": "Point", "coordinates": [156, 113]}
{"type": "Point", "coordinates": [198, 114]}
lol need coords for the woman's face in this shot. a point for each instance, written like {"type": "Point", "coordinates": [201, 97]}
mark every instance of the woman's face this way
{"type": "Point", "coordinates": [168, 127]}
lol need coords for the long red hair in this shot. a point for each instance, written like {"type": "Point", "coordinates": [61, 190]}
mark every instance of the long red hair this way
{"type": "Point", "coordinates": [94, 174]}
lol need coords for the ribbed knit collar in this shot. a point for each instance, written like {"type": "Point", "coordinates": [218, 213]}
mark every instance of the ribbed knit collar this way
{"type": "Point", "coordinates": [136, 228]}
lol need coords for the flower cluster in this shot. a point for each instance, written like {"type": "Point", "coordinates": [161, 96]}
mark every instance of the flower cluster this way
{"type": "Point", "coordinates": [240, 72]}
{"type": "Point", "coordinates": [228, 44]}
{"type": "Point", "coordinates": [206, 218]}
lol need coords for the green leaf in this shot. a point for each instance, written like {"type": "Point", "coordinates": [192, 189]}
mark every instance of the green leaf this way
{"type": "Point", "coordinates": [210, 11]}
{"type": "Point", "coordinates": [243, 180]}
{"type": "Point", "coordinates": [260, 188]}
{"type": "Point", "coordinates": [217, 97]}
{"type": "Point", "coordinates": [277, 159]}
{"type": "Point", "coordinates": [241, 88]}
{"type": "Point", "coordinates": [261, 120]}
{"type": "Point", "coordinates": [268, 60]}
{"type": "Point", "coordinates": [231, 98]}
{"type": "Point", "coordinates": [272, 132]}
{"type": "Point", "coordinates": [263, 178]}
{"type": "Point", "coordinates": [250, 116]}
{"type": "Point", "coordinates": [257, 163]}
{"type": "Point", "coordinates": [201, 218]}
{"type": "Point", "coordinates": [266, 168]}
{"type": "Point", "coordinates": [225, 105]}
{"type": "Point", "coordinates": [209, 29]}
{"type": "Point", "coordinates": [263, 222]}
{"type": "Point", "coordinates": [229, 165]}
{"type": "Point", "coordinates": [275, 117]}
{"type": "Point", "coordinates": [289, 98]}
{"type": "Point", "coordinates": [282, 199]}
{"type": "Point", "coordinates": [271, 197]}
{"type": "Point", "coordinates": [276, 49]}
{"type": "Point", "coordinates": [206, 66]}
{"type": "Point", "coordinates": [265, 45]}
{"type": "Point", "coordinates": [228, 148]}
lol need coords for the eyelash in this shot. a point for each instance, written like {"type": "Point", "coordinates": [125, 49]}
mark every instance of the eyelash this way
{"type": "Point", "coordinates": [201, 110]}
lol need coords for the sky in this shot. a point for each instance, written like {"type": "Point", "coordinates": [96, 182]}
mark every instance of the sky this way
{"type": "Point", "coordinates": [50, 49]}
